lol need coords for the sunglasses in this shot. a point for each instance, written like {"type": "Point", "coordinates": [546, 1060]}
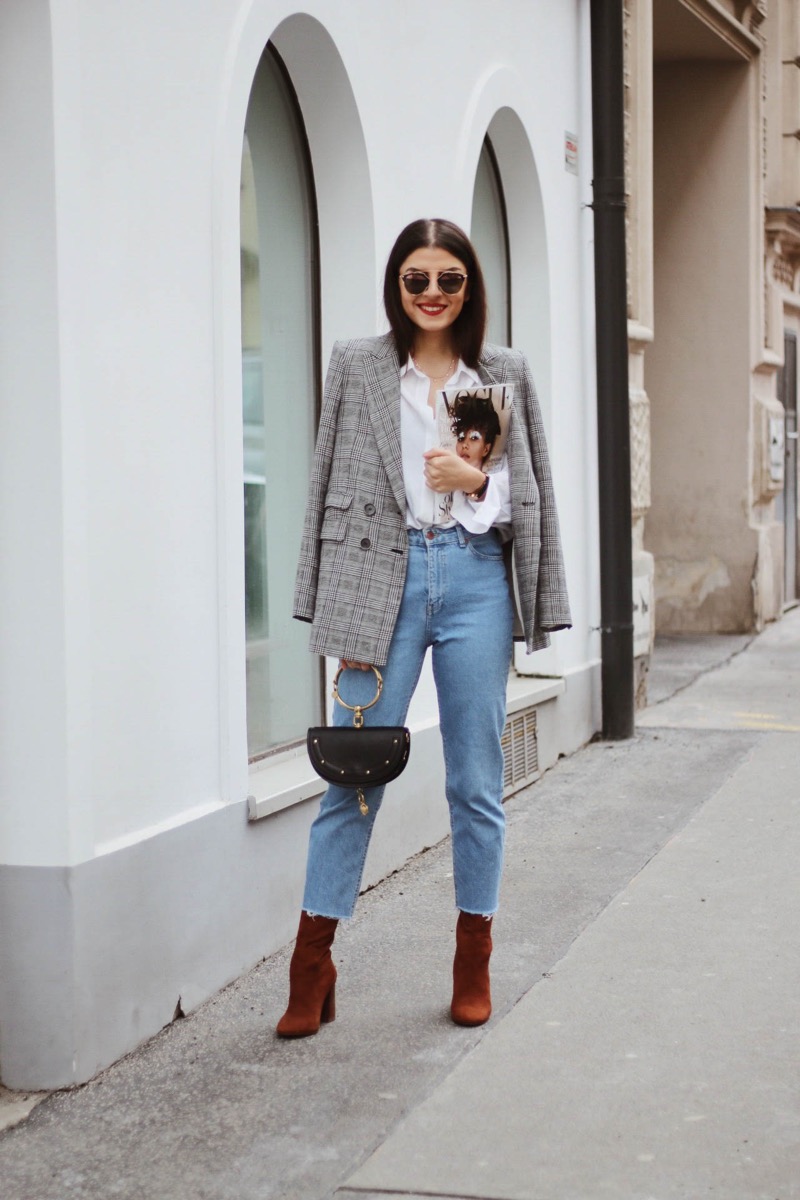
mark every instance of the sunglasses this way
{"type": "Point", "coordinates": [417, 282]}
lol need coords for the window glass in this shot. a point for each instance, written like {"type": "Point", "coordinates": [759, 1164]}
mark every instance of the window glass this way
{"type": "Point", "coordinates": [279, 305]}
{"type": "Point", "coordinates": [489, 234]}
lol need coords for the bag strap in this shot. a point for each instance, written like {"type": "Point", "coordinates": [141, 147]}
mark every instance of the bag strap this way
{"type": "Point", "coordinates": [357, 709]}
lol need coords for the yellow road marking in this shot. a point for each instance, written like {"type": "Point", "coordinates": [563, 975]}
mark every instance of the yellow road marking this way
{"type": "Point", "coordinates": [770, 727]}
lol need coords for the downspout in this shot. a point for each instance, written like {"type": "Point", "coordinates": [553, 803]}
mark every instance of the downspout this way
{"type": "Point", "coordinates": [613, 417]}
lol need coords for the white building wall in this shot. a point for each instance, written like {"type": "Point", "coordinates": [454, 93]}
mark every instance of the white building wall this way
{"type": "Point", "coordinates": [129, 875]}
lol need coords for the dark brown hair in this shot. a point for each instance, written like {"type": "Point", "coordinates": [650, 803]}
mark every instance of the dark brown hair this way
{"type": "Point", "coordinates": [472, 413]}
{"type": "Point", "coordinates": [469, 329]}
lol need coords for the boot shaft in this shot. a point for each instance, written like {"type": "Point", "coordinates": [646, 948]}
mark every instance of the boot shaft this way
{"type": "Point", "coordinates": [472, 997]}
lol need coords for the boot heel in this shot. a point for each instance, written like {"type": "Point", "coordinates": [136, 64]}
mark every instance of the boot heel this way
{"type": "Point", "coordinates": [328, 1013]}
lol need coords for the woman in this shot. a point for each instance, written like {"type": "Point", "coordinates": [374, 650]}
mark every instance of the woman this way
{"type": "Point", "coordinates": [403, 548]}
{"type": "Point", "coordinates": [477, 430]}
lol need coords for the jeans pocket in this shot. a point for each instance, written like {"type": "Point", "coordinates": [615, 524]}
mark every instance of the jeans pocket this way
{"type": "Point", "coordinates": [485, 545]}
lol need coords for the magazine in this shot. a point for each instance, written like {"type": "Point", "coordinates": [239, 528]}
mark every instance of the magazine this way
{"type": "Point", "coordinates": [474, 422]}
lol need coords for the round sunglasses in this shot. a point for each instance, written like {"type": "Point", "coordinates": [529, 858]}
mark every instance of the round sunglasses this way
{"type": "Point", "coordinates": [417, 282]}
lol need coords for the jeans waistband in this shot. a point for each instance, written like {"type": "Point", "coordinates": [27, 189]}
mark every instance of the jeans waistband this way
{"type": "Point", "coordinates": [436, 535]}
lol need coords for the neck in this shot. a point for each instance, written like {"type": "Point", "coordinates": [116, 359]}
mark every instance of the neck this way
{"type": "Point", "coordinates": [433, 345]}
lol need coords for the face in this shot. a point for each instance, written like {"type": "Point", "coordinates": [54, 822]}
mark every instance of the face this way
{"type": "Point", "coordinates": [472, 446]}
{"type": "Point", "coordinates": [433, 310]}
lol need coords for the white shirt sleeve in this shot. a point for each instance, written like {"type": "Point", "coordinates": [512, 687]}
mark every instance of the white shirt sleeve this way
{"type": "Point", "coordinates": [478, 516]}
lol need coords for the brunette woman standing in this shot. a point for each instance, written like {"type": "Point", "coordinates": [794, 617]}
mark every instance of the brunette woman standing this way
{"type": "Point", "coordinates": [403, 549]}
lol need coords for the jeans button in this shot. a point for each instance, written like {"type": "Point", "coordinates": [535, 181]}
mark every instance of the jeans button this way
{"type": "Point", "coordinates": [430, 535]}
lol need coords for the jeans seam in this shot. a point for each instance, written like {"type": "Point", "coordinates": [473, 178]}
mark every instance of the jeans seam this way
{"type": "Point", "coordinates": [456, 855]}
{"type": "Point", "coordinates": [450, 811]}
{"type": "Point", "coordinates": [372, 817]}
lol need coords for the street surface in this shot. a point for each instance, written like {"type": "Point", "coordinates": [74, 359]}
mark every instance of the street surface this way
{"type": "Point", "coordinates": [644, 1043]}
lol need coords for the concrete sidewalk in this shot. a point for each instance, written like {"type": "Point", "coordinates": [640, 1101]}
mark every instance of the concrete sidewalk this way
{"type": "Point", "coordinates": [660, 1056]}
{"type": "Point", "coordinates": [645, 1036]}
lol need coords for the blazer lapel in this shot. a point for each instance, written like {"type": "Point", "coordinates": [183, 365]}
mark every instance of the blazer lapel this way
{"type": "Point", "coordinates": [382, 386]}
{"type": "Point", "coordinates": [492, 367]}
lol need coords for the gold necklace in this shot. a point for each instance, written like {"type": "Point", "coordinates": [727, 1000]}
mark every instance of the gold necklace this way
{"type": "Point", "coordinates": [437, 378]}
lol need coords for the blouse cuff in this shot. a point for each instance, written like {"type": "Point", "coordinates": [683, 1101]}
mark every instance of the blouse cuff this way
{"type": "Point", "coordinates": [478, 516]}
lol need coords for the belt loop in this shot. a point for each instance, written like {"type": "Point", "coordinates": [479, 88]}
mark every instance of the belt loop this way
{"type": "Point", "coordinates": [463, 536]}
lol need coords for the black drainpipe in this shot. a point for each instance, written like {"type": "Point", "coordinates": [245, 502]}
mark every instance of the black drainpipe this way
{"type": "Point", "coordinates": [613, 418]}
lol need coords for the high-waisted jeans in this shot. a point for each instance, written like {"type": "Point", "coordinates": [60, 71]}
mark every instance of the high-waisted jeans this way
{"type": "Point", "coordinates": [456, 600]}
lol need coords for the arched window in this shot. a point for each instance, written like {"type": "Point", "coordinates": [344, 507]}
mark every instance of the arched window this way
{"type": "Point", "coordinates": [280, 302]}
{"type": "Point", "coordinates": [489, 233]}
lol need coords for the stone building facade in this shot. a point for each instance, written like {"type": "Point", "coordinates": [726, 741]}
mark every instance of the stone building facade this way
{"type": "Point", "coordinates": [713, 176]}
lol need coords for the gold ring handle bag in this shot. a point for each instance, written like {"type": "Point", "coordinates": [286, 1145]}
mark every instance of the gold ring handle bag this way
{"type": "Point", "coordinates": [358, 756]}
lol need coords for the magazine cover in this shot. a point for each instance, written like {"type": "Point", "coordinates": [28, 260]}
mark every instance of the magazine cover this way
{"type": "Point", "coordinates": [474, 422]}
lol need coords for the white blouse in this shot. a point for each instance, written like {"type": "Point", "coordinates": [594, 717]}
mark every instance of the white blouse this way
{"type": "Point", "coordinates": [418, 433]}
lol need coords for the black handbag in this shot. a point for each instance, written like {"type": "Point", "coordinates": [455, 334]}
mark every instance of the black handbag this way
{"type": "Point", "coordinates": [355, 756]}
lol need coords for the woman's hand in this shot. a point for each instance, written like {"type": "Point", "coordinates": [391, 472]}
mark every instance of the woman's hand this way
{"type": "Point", "coordinates": [446, 472]}
{"type": "Point", "coordinates": [346, 664]}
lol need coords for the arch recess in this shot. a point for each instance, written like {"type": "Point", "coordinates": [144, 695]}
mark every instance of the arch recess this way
{"type": "Point", "coordinates": [527, 237]}
{"type": "Point", "coordinates": [347, 255]}
{"type": "Point", "coordinates": [501, 109]}
{"type": "Point", "coordinates": [495, 115]}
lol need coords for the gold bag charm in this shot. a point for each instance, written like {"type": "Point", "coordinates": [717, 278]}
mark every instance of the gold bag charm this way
{"type": "Point", "coordinates": [358, 721]}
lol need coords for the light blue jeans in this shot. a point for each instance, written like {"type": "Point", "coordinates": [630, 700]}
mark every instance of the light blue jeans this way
{"type": "Point", "coordinates": [456, 600]}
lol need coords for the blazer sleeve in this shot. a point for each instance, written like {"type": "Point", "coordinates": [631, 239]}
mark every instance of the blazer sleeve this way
{"type": "Point", "coordinates": [552, 601]}
{"type": "Point", "coordinates": [305, 590]}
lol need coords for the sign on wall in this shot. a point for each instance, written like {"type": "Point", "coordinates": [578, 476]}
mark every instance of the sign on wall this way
{"type": "Point", "coordinates": [571, 153]}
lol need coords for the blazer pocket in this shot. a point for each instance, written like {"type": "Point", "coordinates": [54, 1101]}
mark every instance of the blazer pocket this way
{"type": "Point", "coordinates": [335, 518]}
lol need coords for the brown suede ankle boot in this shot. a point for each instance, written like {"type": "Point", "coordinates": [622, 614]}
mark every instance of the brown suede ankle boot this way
{"type": "Point", "coordinates": [472, 998]}
{"type": "Point", "coordinates": [312, 978]}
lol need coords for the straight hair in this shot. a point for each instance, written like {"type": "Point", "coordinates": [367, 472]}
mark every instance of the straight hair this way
{"type": "Point", "coordinates": [469, 329]}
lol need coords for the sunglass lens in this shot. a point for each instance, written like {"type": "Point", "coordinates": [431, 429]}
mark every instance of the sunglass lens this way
{"type": "Point", "coordinates": [415, 282]}
{"type": "Point", "coordinates": [451, 282]}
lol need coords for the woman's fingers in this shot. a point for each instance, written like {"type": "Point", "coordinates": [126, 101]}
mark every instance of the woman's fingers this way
{"type": "Point", "coordinates": [437, 461]}
{"type": "Point", "coordinates": [347, 664]}
{"type": "Point", "coordinates": [446, 472]}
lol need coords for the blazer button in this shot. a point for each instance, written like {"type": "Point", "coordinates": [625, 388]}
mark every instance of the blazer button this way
{"type": "Point", "coordinates": [365, 543]}
{"type": "Point", "coordinates": [369, 509]}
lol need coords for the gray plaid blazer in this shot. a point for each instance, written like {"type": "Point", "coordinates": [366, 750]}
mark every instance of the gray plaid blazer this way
{"type": "Point", "coordinates": [354, 549]}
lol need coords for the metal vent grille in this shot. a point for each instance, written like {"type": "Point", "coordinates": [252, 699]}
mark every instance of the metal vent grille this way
{"type": "Point", "coordinates": [520, 751]}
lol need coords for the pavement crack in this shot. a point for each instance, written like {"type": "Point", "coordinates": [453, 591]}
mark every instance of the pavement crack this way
{"type": "Point", "coordinates": [702, 672]}
{"type": "Point", "coordinates": [414, 1194]}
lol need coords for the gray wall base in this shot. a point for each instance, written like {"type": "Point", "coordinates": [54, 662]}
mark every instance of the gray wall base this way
{"type": "Point", "coordinates": [95, 958]}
